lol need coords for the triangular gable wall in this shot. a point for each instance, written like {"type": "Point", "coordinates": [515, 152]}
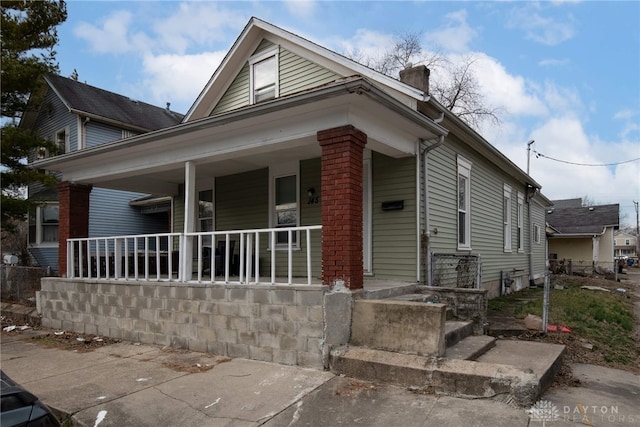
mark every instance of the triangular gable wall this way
{"type": "Point", "coordinates": [296, 74]}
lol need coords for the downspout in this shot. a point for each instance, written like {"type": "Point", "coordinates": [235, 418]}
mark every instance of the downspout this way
{"type": "Point", "coordinates": [531, 192]}
{"type": "Point", "coordinates": [425, 239]}
{"type": "Point", "coordinates": [83, 138]}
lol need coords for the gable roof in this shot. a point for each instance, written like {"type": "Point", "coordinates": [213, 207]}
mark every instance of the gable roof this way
{"type": "Point", "coordinates": [583, 220]}
{"type": "Point", "coordinates": [248, 40]}
{"type": "Point", "coordinates": [86, 100]}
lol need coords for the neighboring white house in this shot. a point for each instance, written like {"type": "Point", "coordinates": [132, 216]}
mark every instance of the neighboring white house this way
{"type": "Point", "coordinates": [625, 245]}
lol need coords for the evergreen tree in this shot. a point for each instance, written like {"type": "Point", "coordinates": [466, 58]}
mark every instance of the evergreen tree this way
{"type": "Point", "coordinates": [28, 37]}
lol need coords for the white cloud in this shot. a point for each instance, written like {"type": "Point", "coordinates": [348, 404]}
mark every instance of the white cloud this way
{"type": "Point", "coordinates": [197, 24]}
{"type": "Point", "coordinates": [549, 30]}
{"type": "Point", "coordinates": [162, 82]}
{"type": "Point", "coordinates": [301, 8]}
{"type": "Point", "coordinates": [552, 62]}
{"type": "Point", "coordinates": [114, 35]}
{"type": "Point", "coordinates": [456, 35]}
{"type": "Point", "coordinates": [365, 43]}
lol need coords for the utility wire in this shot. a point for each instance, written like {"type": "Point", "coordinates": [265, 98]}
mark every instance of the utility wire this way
{"type": "Point", "coordinates": [585, 164]}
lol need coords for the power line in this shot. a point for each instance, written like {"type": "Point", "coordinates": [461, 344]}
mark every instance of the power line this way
{"type": "Point", "coordinates": [585, 164]}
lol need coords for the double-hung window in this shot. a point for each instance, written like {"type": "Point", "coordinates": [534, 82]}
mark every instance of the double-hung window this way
{"type": "Point", "coordinates": [464, 203]}
{"type": "Point", "coordinates": [506, 217]}
{"type": "Point", "coordinates": [43, 224]}
{"type": "Point", "coordinates": [520, 222]}
{"type": "Point", "coordinates": [263, 75]}
{"type": "Point", "coordinates": [285, 202]}
{"type": "Point", "coordinates": [62, 141]}
{"type": "Point", "coordinates": [536, 233]}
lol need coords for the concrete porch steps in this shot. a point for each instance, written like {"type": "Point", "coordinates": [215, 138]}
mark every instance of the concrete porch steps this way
{"type": "Point", "coordinates": [456, 331]}
{"type": "Point", "coordinates": [471, 348]}
{"type": "Point", "coordinates": [517, 372]}
{"type": "Point", "coordinates": [407, 341]}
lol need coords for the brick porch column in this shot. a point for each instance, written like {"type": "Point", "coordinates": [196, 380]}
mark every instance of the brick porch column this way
{"type": "Point", "coordinates": [73, 218]}
{"type": "Point", "coordinates": [341, 192]}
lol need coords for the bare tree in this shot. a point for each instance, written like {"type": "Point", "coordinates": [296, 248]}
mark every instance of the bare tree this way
{"type": "Point", "coordinates": [459, 91]}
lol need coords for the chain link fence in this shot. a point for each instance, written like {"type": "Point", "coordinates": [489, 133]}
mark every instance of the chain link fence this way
{"type": "Point", "coordinates": [586, 268]}
{"type": "Point", "coordinates": [456, 271]}
{"type": "Point", "coordinates": [19, 284]}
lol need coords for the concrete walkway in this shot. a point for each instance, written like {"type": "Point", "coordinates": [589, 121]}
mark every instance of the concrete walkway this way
{"type": "Point", "coordinates": [126, 384]}
{"type": "Point", "coordinates": [137, 385]}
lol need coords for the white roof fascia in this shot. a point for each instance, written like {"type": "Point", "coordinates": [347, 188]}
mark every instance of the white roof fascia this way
{"type": "Point", "coordinates": [344, 62]}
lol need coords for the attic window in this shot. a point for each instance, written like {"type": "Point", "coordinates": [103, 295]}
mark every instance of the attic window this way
{"type": "Point", "coordinates": [264, 75]}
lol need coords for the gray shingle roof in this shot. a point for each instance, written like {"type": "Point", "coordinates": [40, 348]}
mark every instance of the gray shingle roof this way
{"type": "Point", "coordinates": [583, 219]}
{"type": "Point", "coordinates": [99, 102]}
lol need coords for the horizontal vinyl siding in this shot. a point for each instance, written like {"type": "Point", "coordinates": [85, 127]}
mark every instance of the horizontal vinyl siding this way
{"type": "Point", "coordinates": [487, 192]}
{"type": "Point", "coordinates": [237, 95]}
{"type": "Point", "coordinates": [241, 200]}
{"type": "Point", "coordinates": [45, 256]}
{"type": "Point", "coordinates": [55, 116]}
{"type": "Point", "coordinates": [394, 232]}
{"type": "Point", "coordinates": [310, 214]}
{"type": "Point", "coordinates": [111, 215]}
{"type": "Point", "coordinates": [99, 133]}
{"type": "Point", "coordinates": [295, 74]}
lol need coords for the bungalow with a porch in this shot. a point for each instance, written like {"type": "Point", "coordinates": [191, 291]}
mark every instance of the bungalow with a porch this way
{"type": "Point", "coordinates": [301, 182]}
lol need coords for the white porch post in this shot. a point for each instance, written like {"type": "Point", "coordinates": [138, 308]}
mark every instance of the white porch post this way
{"type": "Point", "coordinates": [186, 245]}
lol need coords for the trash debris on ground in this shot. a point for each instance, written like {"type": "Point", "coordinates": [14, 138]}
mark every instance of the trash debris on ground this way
{"type": "Point", "coordinates": [558, 328]}
{"type": "Point", "coordinates": [533, 322]}
{"type": "Point", "coordinates": [595, 288]}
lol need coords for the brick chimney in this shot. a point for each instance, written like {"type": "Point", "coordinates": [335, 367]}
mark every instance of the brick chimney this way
{"type": "Point", "coordinates": [417, 77]}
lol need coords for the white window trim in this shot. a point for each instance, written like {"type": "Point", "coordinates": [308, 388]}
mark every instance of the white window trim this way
{"type": "Point", "coordinates": [278, 171]}
{"type": "Point", "coordinates": [520, 222]}
{"type": "Point", "coordinates": [265, 54]}
{"type": "Point", "coordinates": [464, 169]}
{"type": "Point", "coordinates": [507, 219]}
{"type": "Point", "coordinates": [67, 144]}
{"type": "Point", "coordinates": [39, 227]}
{"type": "Point", "coordinates": [536, 233]}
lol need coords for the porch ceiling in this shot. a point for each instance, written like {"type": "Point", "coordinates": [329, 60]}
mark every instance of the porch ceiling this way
{"type": "Point", "coordinates": [247, 139]}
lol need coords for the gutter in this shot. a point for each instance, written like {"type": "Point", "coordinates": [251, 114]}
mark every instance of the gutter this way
{"type": "Point", "coordinates": [356, 85]}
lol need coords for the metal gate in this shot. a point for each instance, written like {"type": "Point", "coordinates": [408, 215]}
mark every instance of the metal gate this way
{"type": "Point", "coordinates": [456, 271]}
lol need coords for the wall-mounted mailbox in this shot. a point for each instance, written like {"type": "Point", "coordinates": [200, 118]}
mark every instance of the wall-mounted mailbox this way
{"type": "Point", "coordinates": [393, 205]}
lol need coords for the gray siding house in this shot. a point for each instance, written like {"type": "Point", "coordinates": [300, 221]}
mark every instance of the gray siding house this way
{"type": "Point", "coordinates": [78, 116]}
{"type": "Point", "coordinates": [297, 173]}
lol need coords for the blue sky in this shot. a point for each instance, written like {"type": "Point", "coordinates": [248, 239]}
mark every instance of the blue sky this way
{"type": "Point", "coordinates": [564, 73]}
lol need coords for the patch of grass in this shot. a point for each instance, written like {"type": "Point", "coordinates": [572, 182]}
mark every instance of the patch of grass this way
{"type": "Point", "coordinates": [604, 319]}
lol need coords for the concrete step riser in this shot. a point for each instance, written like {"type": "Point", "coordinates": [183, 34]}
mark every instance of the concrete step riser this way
{"type": "Point", "coordinates": [460, 378]}
{"type": "Point", "coordinates": [456, 331]}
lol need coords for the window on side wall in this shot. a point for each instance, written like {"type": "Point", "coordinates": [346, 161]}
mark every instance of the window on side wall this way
{"type": "Point", "coordinates": [263, 75]}
{"type": "Point", "coordinates": [506, 218]}
{"type": "Point", "coordinates": [62, 141]}
{"type": "Point", "coordinates": [43, 224]}
{"type": "Point", "coordinates": [464, 203]}
{"type": "Point", "coordinates": [536, 233]}
{"type": "Point", "coordinates": [520, 222]}
{"type": "Point", "coordinates": [284, 201]}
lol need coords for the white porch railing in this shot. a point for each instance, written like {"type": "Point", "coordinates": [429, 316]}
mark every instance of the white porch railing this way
{"type": "Point", "coordinates": [232, 256]}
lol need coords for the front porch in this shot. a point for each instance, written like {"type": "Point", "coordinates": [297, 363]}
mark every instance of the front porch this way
{"type": "Point", "coordinates": [236, 256]}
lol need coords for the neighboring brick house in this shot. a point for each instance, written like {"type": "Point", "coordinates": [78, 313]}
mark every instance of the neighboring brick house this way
{"type": "Point", "coordinates": [582, 234]}
{"type": "Point", "coordinates": [77, 117]}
